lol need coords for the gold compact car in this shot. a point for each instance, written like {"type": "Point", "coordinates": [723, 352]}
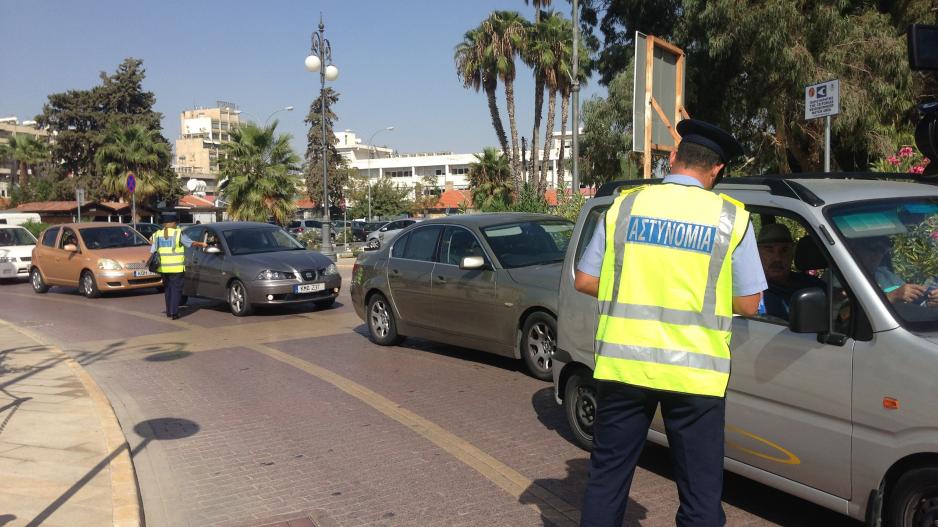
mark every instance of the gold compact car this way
{"type": "Point", "coordinates": [95, 257]}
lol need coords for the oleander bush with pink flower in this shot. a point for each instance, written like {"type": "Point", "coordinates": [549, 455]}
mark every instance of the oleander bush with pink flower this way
{"type": "Point", "coordinates": [906, 159]}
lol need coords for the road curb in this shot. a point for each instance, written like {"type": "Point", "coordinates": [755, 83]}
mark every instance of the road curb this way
{"type": "Point", "coordinates": [125, 493]}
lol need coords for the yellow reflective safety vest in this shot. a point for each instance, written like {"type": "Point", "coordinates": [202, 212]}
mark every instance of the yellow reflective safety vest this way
{"type": "Point", "coordinates": [172, 252]}
{"type": "Point", "coordinates": [666, 289]}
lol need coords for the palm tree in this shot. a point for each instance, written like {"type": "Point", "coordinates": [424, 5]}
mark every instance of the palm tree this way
{"type": "Point", "coordinates": [490, 180]}
{"type": "Point", "coordinates": [476, 71]}
{"type": "Point", "coordinates": [506, 35]}
{"type": "Point", "coordinates": [29, 152]}
{"type": "Point", "coordinates": [261, 171]}
{"type": "Point", "coordinates": [537, 60]}
{"type": "Point", "coordinates": [136, 150]}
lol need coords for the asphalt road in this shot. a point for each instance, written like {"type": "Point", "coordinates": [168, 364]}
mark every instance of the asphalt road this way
{"type": "Point", "coordinates": [292, 412]}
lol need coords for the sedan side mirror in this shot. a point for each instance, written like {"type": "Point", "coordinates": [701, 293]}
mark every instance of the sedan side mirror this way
{"type": "Point", "coordinates": [71, 247]}
{"type": "Point", "coordinates": [472, 262]}
{"type": "Point", "coordinates": [212, 250]}
{"type": "Point", "coordinates": [384, 229]}
{"type": "Point", "coordinates": [808, 312]}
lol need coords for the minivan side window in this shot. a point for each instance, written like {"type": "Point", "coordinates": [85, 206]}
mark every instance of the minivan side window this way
{"type": "Point", "coordinates": [48, 238]}
{"type": "Point", "coordinates": [594, 220]}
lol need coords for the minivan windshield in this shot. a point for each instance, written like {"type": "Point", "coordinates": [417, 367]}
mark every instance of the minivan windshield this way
{"type": "Point", "coordinates": [895, 242]}
{"type": "Point", "coordinates": [16, 236]}
{"type": "Point", "coordinates": [535, 242]}
{"type": "Point", "coordinates": [260, 240]}
{"type": "Point", "coordinates": [112, 237]}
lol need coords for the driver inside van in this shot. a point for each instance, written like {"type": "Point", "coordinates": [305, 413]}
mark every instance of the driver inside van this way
{"type": "Point", "coordinates": [874, 255]}
{"type": "Point", "coordinates": [777, 251]}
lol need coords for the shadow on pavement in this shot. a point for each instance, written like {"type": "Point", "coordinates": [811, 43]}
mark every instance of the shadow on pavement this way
{"type": "Point", "coordinates": [6, 518]}
{"type": "Point", "coordinates": [164, 428]}
{"type": "Point", "coordinates": [551, 414]}
{"type": "Point", "coordinates": [195, 305]}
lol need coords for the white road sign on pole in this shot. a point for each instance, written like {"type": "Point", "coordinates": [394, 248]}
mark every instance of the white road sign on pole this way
{"type": "Point", "coordinates": [822, 100]}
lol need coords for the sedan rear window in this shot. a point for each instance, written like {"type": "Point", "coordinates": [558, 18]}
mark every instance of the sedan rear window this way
{"type": "Point", "coordinates": [527, 243]}
{"type": "Point", "coordinates": [112, 237]}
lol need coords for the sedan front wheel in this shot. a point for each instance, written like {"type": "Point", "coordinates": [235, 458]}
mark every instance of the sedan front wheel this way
{"type": "Point", "coordinates": [238, 299]}
{"type": "Point", "coordinates": [538, 342]}
{"type": "Point", "coordinates": [374, 243]}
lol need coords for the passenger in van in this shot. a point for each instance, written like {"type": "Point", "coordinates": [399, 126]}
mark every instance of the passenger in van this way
{"type": "Point", "coordinates": [777, 251]}
{"type": "Point", "coordinates": [874, 255]}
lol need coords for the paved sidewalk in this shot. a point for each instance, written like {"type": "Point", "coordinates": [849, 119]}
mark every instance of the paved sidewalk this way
{"type": "Point", "coordinates": [63, 458]}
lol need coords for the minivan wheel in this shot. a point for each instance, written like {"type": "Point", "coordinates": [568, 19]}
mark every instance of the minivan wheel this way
{"type": "Point", "coordinates": [35, 278]}
{"type": "Point", "coordinates": [538, 341]}
{"type": "Point", "coordinates": [88, 286]}
{"type": "Point", "coordinates": [382, 327]}
{"type": "Point", "coordinates": [913, 502]}
{"type": "Point", "coordinates": [238, 299]}
{"type": "Point", "coordinates": [579, 403]}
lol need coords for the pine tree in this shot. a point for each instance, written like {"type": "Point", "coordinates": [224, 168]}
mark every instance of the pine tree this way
{"type": "Point", "coordinates": [338, 176]}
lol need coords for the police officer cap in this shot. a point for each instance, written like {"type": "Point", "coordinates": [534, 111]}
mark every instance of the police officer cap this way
{"type": "Point", "coordinates": [167, 217]}
{"type": "Point", "coordinates": [711, 137]}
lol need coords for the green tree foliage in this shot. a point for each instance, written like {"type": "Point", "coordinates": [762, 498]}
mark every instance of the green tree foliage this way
{"type": "Point", "coordinates": [387, 199]}
{"type": "Point", "coordinates": [261, 169]}
{"type": "Point", "coordinates": [426, 196]}
{"type": "Point", "coordinates": [30, 153]}
{"type": "Point", "coordinates": [81, 118]}
{"type": "Point", "coordinates": [490, 181]}
{"type": "Point", "coordinates": [606, 142]}
{"type": "Point", "coordinates": [478, 70]}
{"type": "Point", "coordinates": [338, 175]}
{"type": "Point", "coordinates": [749, 61]}
{"type": "Point", "coordinates": [138, 150]}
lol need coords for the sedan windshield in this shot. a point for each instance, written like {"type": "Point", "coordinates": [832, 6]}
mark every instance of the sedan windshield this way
{"type": "Point", "coordinates": [527, 243]}
{"type": "Point", "coordinates": [260, 240]}
{"type": "Point", "coordinates": [112, 237]}
{"type": "Point", "coordinates": [17, 236]}
{"type": "Point", "coordinates": [896, 244]}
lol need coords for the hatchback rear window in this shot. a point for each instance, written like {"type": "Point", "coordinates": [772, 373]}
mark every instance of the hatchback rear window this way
{"type": "Point", "coordinates": [48, 238]}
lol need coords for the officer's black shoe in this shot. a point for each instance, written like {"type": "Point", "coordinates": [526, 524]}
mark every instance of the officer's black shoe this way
{"type": "Point", "coordinates": [175, 317]}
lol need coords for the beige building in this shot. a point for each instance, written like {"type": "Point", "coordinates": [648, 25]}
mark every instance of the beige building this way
{"type": "Point", "coordinates": [202, 131]}
{"type": "Point", "coordinates": [9, 127]}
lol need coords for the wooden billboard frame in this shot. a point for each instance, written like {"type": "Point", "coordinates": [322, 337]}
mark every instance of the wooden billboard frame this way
{"type": "Point", "coordinates": [652, 104]}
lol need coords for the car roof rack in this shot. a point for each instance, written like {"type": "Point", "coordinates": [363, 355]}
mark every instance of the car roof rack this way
{"type": "Point", "coordinates": [782, 184]}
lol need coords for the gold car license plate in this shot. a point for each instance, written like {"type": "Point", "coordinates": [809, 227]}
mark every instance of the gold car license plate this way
{"type": "Point", "coordinates": [308, 288]}
{"type": "Point", "coordinates": [144, 273]}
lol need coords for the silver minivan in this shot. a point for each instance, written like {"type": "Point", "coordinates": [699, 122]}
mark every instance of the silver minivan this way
{"type": "Point", "coordinates": [838, 403]}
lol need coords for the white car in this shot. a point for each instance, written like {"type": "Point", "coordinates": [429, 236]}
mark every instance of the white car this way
{"type": "Point", "coordinates": [16, 251]}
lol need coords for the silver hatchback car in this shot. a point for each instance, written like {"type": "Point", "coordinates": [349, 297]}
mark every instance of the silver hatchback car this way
{"type": "Point", "coordinates": [249, 264]}
{"type": "Point", "coordinates": [837, 403]}
{"type": "Point", "coordinates": [481, 281]}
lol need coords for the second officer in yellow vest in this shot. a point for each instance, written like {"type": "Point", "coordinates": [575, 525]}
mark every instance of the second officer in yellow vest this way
{"type": "Point", "coordinates": [669, 266]}
{"type": "Point", "coordinates": [171, 243]}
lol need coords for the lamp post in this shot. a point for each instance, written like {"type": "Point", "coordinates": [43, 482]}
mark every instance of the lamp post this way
{"type": "Point", "coordinates": [320, 59]}
{"type": "Point", "coordinates": [371, 153]}
{"type": "Point", "coordinates": [275, 112]}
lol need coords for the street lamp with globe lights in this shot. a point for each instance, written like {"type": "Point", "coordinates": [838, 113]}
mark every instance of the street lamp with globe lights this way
{"type": "Point", "coordinates": [371, 155]}
{"type": "Point", "coordinates": [320, 51]}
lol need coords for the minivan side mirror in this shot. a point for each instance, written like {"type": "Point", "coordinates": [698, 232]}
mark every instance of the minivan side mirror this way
{"type": "Point", "coordinates": [71, 247]}
{"type": "Point", "coordinates": [808, 312]}
{"type": "Point", "coordinates": [472, 262]}
{"type": "Point", "coordinates": [212, 250]}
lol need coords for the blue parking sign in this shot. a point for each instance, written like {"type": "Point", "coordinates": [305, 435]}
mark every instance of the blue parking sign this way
{"type": "Point", "coordinates": [131, 183]}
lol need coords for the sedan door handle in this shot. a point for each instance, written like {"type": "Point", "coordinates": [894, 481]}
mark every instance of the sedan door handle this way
{"type": "Point", "coordinates": [441, 279]}
{"type": "Point", "coordinates": [395, 271]}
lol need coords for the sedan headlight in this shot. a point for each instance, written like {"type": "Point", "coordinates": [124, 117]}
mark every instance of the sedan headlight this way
{"type": "Point", "coordinates": [7, 259]}
{"type": "Point", "coordinates": [106, 264]}
{"type": "Point", "coordinates": [331, 270]}
{"type": "Point", "coordinates": [268, 274]}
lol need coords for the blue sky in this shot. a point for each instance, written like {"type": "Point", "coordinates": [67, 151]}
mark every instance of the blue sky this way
{"type": "Point", "coordinates": [395, 60]}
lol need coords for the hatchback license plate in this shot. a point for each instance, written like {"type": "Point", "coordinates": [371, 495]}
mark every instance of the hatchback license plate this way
{"type": "Point", "coordinates": [308, 288]}
{"type": "Point", "coordinates": [144, 273]}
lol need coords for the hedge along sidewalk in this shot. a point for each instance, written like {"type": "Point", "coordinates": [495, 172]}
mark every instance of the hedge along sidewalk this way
{"type": "Point", "coordinates": [63, 458]}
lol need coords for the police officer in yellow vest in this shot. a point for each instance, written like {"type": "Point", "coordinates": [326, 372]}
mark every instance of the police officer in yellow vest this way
{"type": "Point", "coordinates": [171, 243]}
{"type": "Point", "coordinates": [671, 266]}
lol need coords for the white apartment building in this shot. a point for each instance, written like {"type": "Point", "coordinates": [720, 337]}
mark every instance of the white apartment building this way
{"type": "Point", "coordinates": [202, 131]}
{"type": "Point", "coordinates": [444, 168]}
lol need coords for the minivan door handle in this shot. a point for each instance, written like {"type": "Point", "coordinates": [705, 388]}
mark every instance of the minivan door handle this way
{"type": "Point", "coordinates": [395, 271]}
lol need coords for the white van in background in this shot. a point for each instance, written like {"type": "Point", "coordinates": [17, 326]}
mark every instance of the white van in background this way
{"type": "Point", "coordinates": [18, 218]}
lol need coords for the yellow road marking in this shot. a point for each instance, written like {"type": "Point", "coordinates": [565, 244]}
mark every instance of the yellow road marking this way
{"type": "Point", "coordinates": [548, 504]}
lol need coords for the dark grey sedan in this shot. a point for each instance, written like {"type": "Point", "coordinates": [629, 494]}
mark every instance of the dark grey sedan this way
{"type": "Point", "coordinates": [482, 281]}
{"type": "Point", "coordinates": [248, 264]}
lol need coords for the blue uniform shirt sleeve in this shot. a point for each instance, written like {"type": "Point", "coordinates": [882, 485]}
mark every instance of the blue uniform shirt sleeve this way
{"type": "Point", "coordinates": [153, 243]}
{"type": "Point", "coordinates": [185, 240]}
{"type": "Point", "coordinates": [592, 260]}
{"type": "Point", "coordinates": [748, 276]}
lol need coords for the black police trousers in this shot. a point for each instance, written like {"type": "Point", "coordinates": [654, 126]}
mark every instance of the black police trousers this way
{"type": "Point", "coordinates": [172, 292]}
{"type": "Point", "coordinates": [694, 426]}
